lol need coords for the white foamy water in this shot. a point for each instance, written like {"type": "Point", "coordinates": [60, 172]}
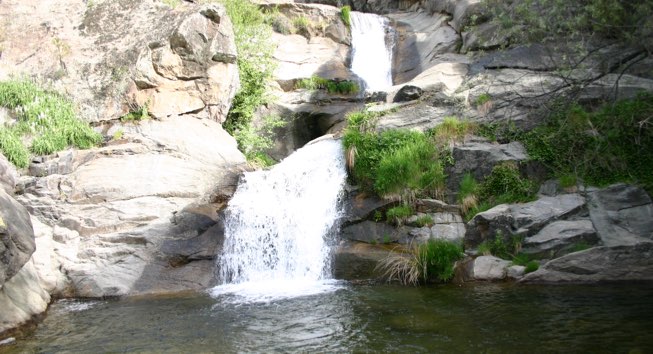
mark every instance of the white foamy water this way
{"type": "Point", "coordinates": [278, 225]}
{"type": "Point", "coordinates": [371, 56]}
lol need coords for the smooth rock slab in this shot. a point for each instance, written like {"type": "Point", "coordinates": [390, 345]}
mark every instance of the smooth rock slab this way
{"type": "Point", "coordinates": [559, 237]}
{"type": "Point", "coordinates": [599, 264]}
{"type": "Point", "coordinates": [490, 268]}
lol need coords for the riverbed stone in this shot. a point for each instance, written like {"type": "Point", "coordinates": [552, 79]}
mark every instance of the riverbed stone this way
{"type": "Point", "coordinates": [490, 268]}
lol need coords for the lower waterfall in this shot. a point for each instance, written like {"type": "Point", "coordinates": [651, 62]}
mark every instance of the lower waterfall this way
{"type": "Point", "coordinates": [279, 224]}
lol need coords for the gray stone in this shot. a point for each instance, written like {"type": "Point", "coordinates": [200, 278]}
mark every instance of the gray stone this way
{"type": "Point", "coordinates": [479, 158]}
{"type": "Point", "coordinates": [559, 238]}
{"type": "Point", "coordinates": [374, 232]}
{"type": "Point", "coordinates": [361, 206]}
{"type": "Point", "coordinates": [485, 36]}
{"type": "Point", "coordinates": [21, 298]}
{"type": "Point", "coordinates": [622, 214]}
{"type": "Point", "coordinates": [435, 206]}
{"type": "Point", "coordinates": [8, 175]}
{"type": "Point", "coordinates": [490, 268]}
{"type": "Point", "coordinates": [408, 93]}
{"type": "Point", "coordinates": [599, 264]}
{"type": "Point", "coordinates": [521, 219]}
{"type": "Point", "coordinates": [515, 271]}
{"type": "Point", "coordinates": [16, 237]}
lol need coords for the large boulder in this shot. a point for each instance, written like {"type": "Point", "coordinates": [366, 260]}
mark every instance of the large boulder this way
{"type": "Point", "coordinates": [561, 237]}
{"type": "Point", "coordinates": [8, 175]}
{"type": "Point", "coordinates": [599, 264]}
{"type": "Point", "coordinates": [22, 298]}
{"type": "Point", "coordinates": [106, 213]}
{"type": "Point", "coordinates": [16, 237]}
{"type": "Point", "coordinates": [113, 57]}
{"type": "Point", "coordinates": [622, 214]}
{"type": "Point", "coordinates": [522, 220]}
{"type": "Point", "coordinates": [490, 268]}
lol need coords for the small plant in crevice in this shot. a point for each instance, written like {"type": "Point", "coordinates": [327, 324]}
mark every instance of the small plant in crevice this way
{"type": "Point", "coordinates": [467, 193]}
{"type": "Point", "coordinates": [302, 25]}
{"type": "Point", "coordinates": [580, 246]}
{"type": "Point", "coordinates": [433, 260]}
{"type": "Point", "coordinates": [136, 113]}
{"type": "Point", "coordinates": [345, 15]}
{"type": "Point", "coordinates": [452, 130]}
{"type": "Point", "coordinates": [502, 246]}
{"type": "Point", "coordinates": [344, 87]}
{"type": "Point", "coordinates": [398, 215]}
{"type": "Point", "coordinates": [424, 220]}
{"type": "Point", "coordinates": [506, 185]}
{"type": "Point", "coordinates": [531, 267]}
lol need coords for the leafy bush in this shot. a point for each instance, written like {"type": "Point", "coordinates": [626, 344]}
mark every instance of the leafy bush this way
{"type": "Point", "coordinates": [502, 246]}
{"type": "Point", "coordinates": [255, 66]}
{"type": "Point", "coordinates": [12, 147]}
{"type": "Point", "coordinates": [531, 267]}
{"type": "Point", "coordinates": [48, 117]}
{"type": "Point", "coordinates": [345, 15]}
{"type": "Point", "coordinates": [397, 215]}
{"type": "Point", "coordinates": [505, 185]}
{"type": "Point", "coordinates": [433, 260]}
{"type": "Point", "coordinates": [611, 144]}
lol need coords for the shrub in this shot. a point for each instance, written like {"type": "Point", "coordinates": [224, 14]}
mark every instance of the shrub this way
{"type": "Point", "coordinates": [332, 86]}
{"type": "Point", "coordinates": [12, 147]}
{"type": "Point", "coordinates": [345, 15]}
{"type": "Point", "coordinates": [397, 215]}
{"type": "Point", "coordinates": [505, 185]}
{"type": "Point", "coordinates": [302, 24]}
{"type": "Point", "coordinates": [255, 66]}
{"type": "Point", "coordinates": [531, 267]}
{"type": "Point", "coordinates": [48, 117]}
{"type": "Point", "coordinates": [611, 144]}
{"type": "Point", "coordinates": [433, 260]}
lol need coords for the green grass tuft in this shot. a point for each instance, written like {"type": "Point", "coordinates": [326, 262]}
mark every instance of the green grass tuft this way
{"type": "Point", "coordinates": [433, 260]}
{"type": "Point", "coordinates": [46, 116]}
{"type": "Point", "coordinates": [397, 215]}
{"type": "Point", "coordinates": [345, 15]}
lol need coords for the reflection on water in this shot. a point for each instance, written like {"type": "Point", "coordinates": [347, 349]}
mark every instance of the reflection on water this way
{"type": "Point", "coordinates": [486, 317]}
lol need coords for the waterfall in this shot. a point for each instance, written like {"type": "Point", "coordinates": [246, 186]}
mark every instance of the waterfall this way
{"type": "Point", "coordinates": [371, 56]}
{"type": "Point", "coordinates": [278, 224]}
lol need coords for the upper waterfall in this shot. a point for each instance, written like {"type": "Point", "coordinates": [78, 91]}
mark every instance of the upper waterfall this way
{"type": "Point", "coordinates": [371, 55]}
{"type": "Point", "coordinates": [278, 223]}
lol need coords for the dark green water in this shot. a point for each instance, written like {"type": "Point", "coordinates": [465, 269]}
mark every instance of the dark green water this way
{"type": "Point", "coordinates": [481, 318]}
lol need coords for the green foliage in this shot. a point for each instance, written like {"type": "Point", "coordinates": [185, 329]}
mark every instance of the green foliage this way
{"type": "Point", "coordinates": [433, 260]}
{"type": "Point", "coordinates": [394, 162]}
{"type": "Point", "coordinates": [424, 220]}
{"type": "Point", "coordinates": [505, 185]}
{"type": "Point", "coordinates": [521, 259]}
{"type": "Point", "coordinates": [580, 246]}
{"type": "Point", "coordinates": [12, 147]}
{"type": "Point", "coordinates": [335, 87]}
{"type": "Point", "coordinates": [506, 247]}
{"type": "Point", "coordinates": [397, 215]}
{"type": "Point", "coordinates": [255, 66]}
{"type": "Point", "coordinates": [137, 114]}
{"type": "Point", "coordinates": [46, 116]}
{"type": "Point", "coordinates": [531, 267]}
{"type": "Point", "coordinates": [253, 141]}
{"type": "Point", "coordinates": [568, 180]}
{"type": "Point", "coordinates": [345, 15]}
{"type": "Point", "coordinates": [611, 144]}
{"type": "Point", "coordinates": [467, 193]}
{"type": "Point", "coordinates": [537, 21]}
{"type": "Point", "coordinates": [413, 168]}
{"type": "Point", "coordinates": [117, 135]}
{"type": "Point", "coordinates": [301, 23]}
{"type": "Point", "coordinates": [482, 99]}
{"type": "Point", "coordinates": [172, 3]}
{"type": "Point", "coordinates": [452, 129]}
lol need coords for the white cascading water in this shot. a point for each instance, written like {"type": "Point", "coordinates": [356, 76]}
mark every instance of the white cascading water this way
{"type": "Point", "coordinates": [277, 227]}
{"type": "Point", "coordinates": [371, 56]}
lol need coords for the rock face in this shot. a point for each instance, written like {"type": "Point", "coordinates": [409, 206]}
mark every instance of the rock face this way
{"type": "Point", "coordinates": [490, 268]}
{"type": "Point", "coordinates": [600, 264]}
{"type": "Point", "coordinates": [16, 237]}
{"type": "Point", "coordinates": [522, 219]}
{"type": "Point", "coordinates": [113, 57]}
{"type": "Point", "coordinates": [560, 237]}
{"type": "Point", "coordinates": [113, 220]}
